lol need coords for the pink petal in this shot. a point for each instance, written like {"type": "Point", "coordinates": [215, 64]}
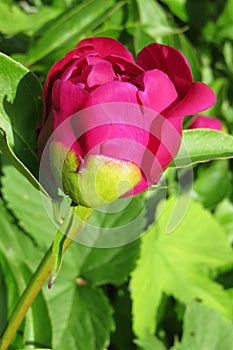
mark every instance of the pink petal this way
{"type": "Point", "coordinates": [67, 98]}
{"type": "Point", "coordinates": [199, 97]}
{"type": "Point", "coordinates": [98, 74]}
{"type": "Point", "coordinates": [130, 68]}
{"type": "Point", "coordinates": [56, 71]}
{"type": "Point", "coordinates": [170, 61]}
{"type": "Point", "coordinates": [170, 142]}
{"type": "Point", "coordinates": [202, 121]}
{"type": "Point", "coordinates": [116, 91]}
{"type": "Point", "coordinates": [104, 47]}
{"type": "Point", "coordinates": [159, 92]}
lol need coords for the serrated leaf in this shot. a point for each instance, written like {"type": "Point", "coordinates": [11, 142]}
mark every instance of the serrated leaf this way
{"type": "Point", "coordinates": [200, 145]}
{"type": "Point", "coordinates": [26, 204]}
{"type": "Point", "coordinates": [224, 215]}
{"type": "Point", "coordinates": [21, 256]}
{"type": "Point", "coordinates": [108, 265]}
{"type": "Point", "coordinates": [69, 26]}
{"type": "Point", "coordinates": [116, 224]}
{"type": "Point", "coordinates": [82, 318]}
{"type": "Point", "coordinates": [14, 242]}
{"type": "Point", "coordinates": [179, 264]}
{"type": "Point", "coordinates": [20, 106]}
{"type": "Point", "coordinates": [205, 329]}
{"type": "Point", "coordinates": [150, 343]}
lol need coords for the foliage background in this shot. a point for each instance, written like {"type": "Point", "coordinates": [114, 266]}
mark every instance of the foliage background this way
{"type": "Point", "coordinates": [161, 291]}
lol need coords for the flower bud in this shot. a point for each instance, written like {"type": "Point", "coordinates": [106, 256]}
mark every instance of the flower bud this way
{"type": "Point", "coordinates": [97, 181]}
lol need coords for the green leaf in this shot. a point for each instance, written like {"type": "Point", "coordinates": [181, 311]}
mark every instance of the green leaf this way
{"type": "Point", "coordinates": [150, 343]}
{"type": "Point", "coordinates": [16, 162]}
{"type": "Point", "coordinates": [205, 329]}
{"type": "Point", "coordinates": [108, 265]}
{"type": "Point", "coordinates": [154, 20]}
{"type": "Point", "coordinates": [98, 27]}
{"type": "Point", "coordinates": [224, 24]}
{"type": "Point", "coordinates": [8, 291]}
{"type": "Point", "coordinates": [224, 215]}
{"type": "Point", "coordinates": [23, 22]}
{"type": "Point", "coordinates": [69, 27]}
{"type": "Point", "coordinates": [116, 224]}
{"type": "Point", "coordinates": [20, 110]}
{"type": "Point", "coordinates": [213, 183]}
{"type": "Point", "coordinates": [14, 242]}
{"type": "Point", "coordinates": [179, 264]}
{"type": "Point", "coordinates": [82, 317]}
{"type": "Point", "coordinates": [18, 257]}
{"type": "Point", "coordinates": [200, 145]}
{"type": "Point", "coordinates": [26, 204]}
{"type": "Point", "coordinates": [178, 7]}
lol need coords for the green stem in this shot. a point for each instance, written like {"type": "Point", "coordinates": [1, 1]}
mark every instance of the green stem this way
{"type": "Point", "coordinates": [39, 277]}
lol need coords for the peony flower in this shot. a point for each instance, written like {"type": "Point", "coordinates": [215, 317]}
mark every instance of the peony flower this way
{"type": "Point", "coordinates": [128, 117]}
{"type": "Point", "coordinates": [202, 121]}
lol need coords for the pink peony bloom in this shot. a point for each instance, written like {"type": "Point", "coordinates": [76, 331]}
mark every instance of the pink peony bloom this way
{"type": "Point", "coordinates": [202, 121]}
{"type": "Point", "coordinates": [157, 88]}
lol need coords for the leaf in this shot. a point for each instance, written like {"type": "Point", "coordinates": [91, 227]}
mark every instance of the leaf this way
{"type": "Point", "coordinates": [108, 265]}
{"type": "Point", "coordinates": [178, 7]}
{"type": "Point", "coordinates": [150, 343]}
{"type": "Point", "coordinates": [213, 183]}
{"type": "Point", "coordinates": [154, 20]}
{"type": "Point", "coordinates": [26, 204]}
{"type": "Point", "coordinates": [68, 27]}
{"type": "Point", "coordinates": [23, 22]}
{"type": "Point", "coordinates": [18, 257]}
{"type": "Point", "coordinates": [116, 224]}
{"type": "Point", "coordinates": [8, 291]}
{"type": "Point", "coordinates": [16, 162]}
{"type": "Point", "coordinates": [224, 215]}
{"type": "Point", "coordinates": [82, 318]}
{"type": "Point", "coordinates": [205, 329]}
{"type": "Point", "coordinates": [200, 145]}
{"type": "Point", "coordinates": [179, 264]}
{"type": "Point", "coordinates": [15, 242]}
{"type": "Point", "coordinates": [20, 106]}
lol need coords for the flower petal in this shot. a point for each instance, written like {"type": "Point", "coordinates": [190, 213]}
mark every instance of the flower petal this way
{"type": "Point", "coordinates": [116, 91]}
{"type": "Point", "coordinates": [98, 74]}
{"type": "Point", "coordinates": [159, 91]}
{"type": "Point", "coordinates": [199, 97]}
{"type": "Point", "coordinates": [67, 98]}
{"type": "Point", "coordinates": [202, 121]}
{"type": "Point", "coordinates": [170, 61]}
{"type": "Point", "coordinates": [104, 47]}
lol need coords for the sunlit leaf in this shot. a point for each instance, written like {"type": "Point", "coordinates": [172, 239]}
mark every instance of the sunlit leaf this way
{"type": "Point", "coordinates": [205, 329]}
{"type": "Point", "coordinates": [200, 145]}
{"type": "Point", "coordinates": [20, 110]}
{"type": "Point", "coordinates": [179, 264]}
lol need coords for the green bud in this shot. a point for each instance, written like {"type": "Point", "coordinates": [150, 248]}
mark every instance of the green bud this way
{"type": "Point", "coordinates": [100, 180]}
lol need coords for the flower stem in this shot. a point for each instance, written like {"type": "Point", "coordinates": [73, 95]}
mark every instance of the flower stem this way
{"type": "Point", "coordinates": [39, 277]}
